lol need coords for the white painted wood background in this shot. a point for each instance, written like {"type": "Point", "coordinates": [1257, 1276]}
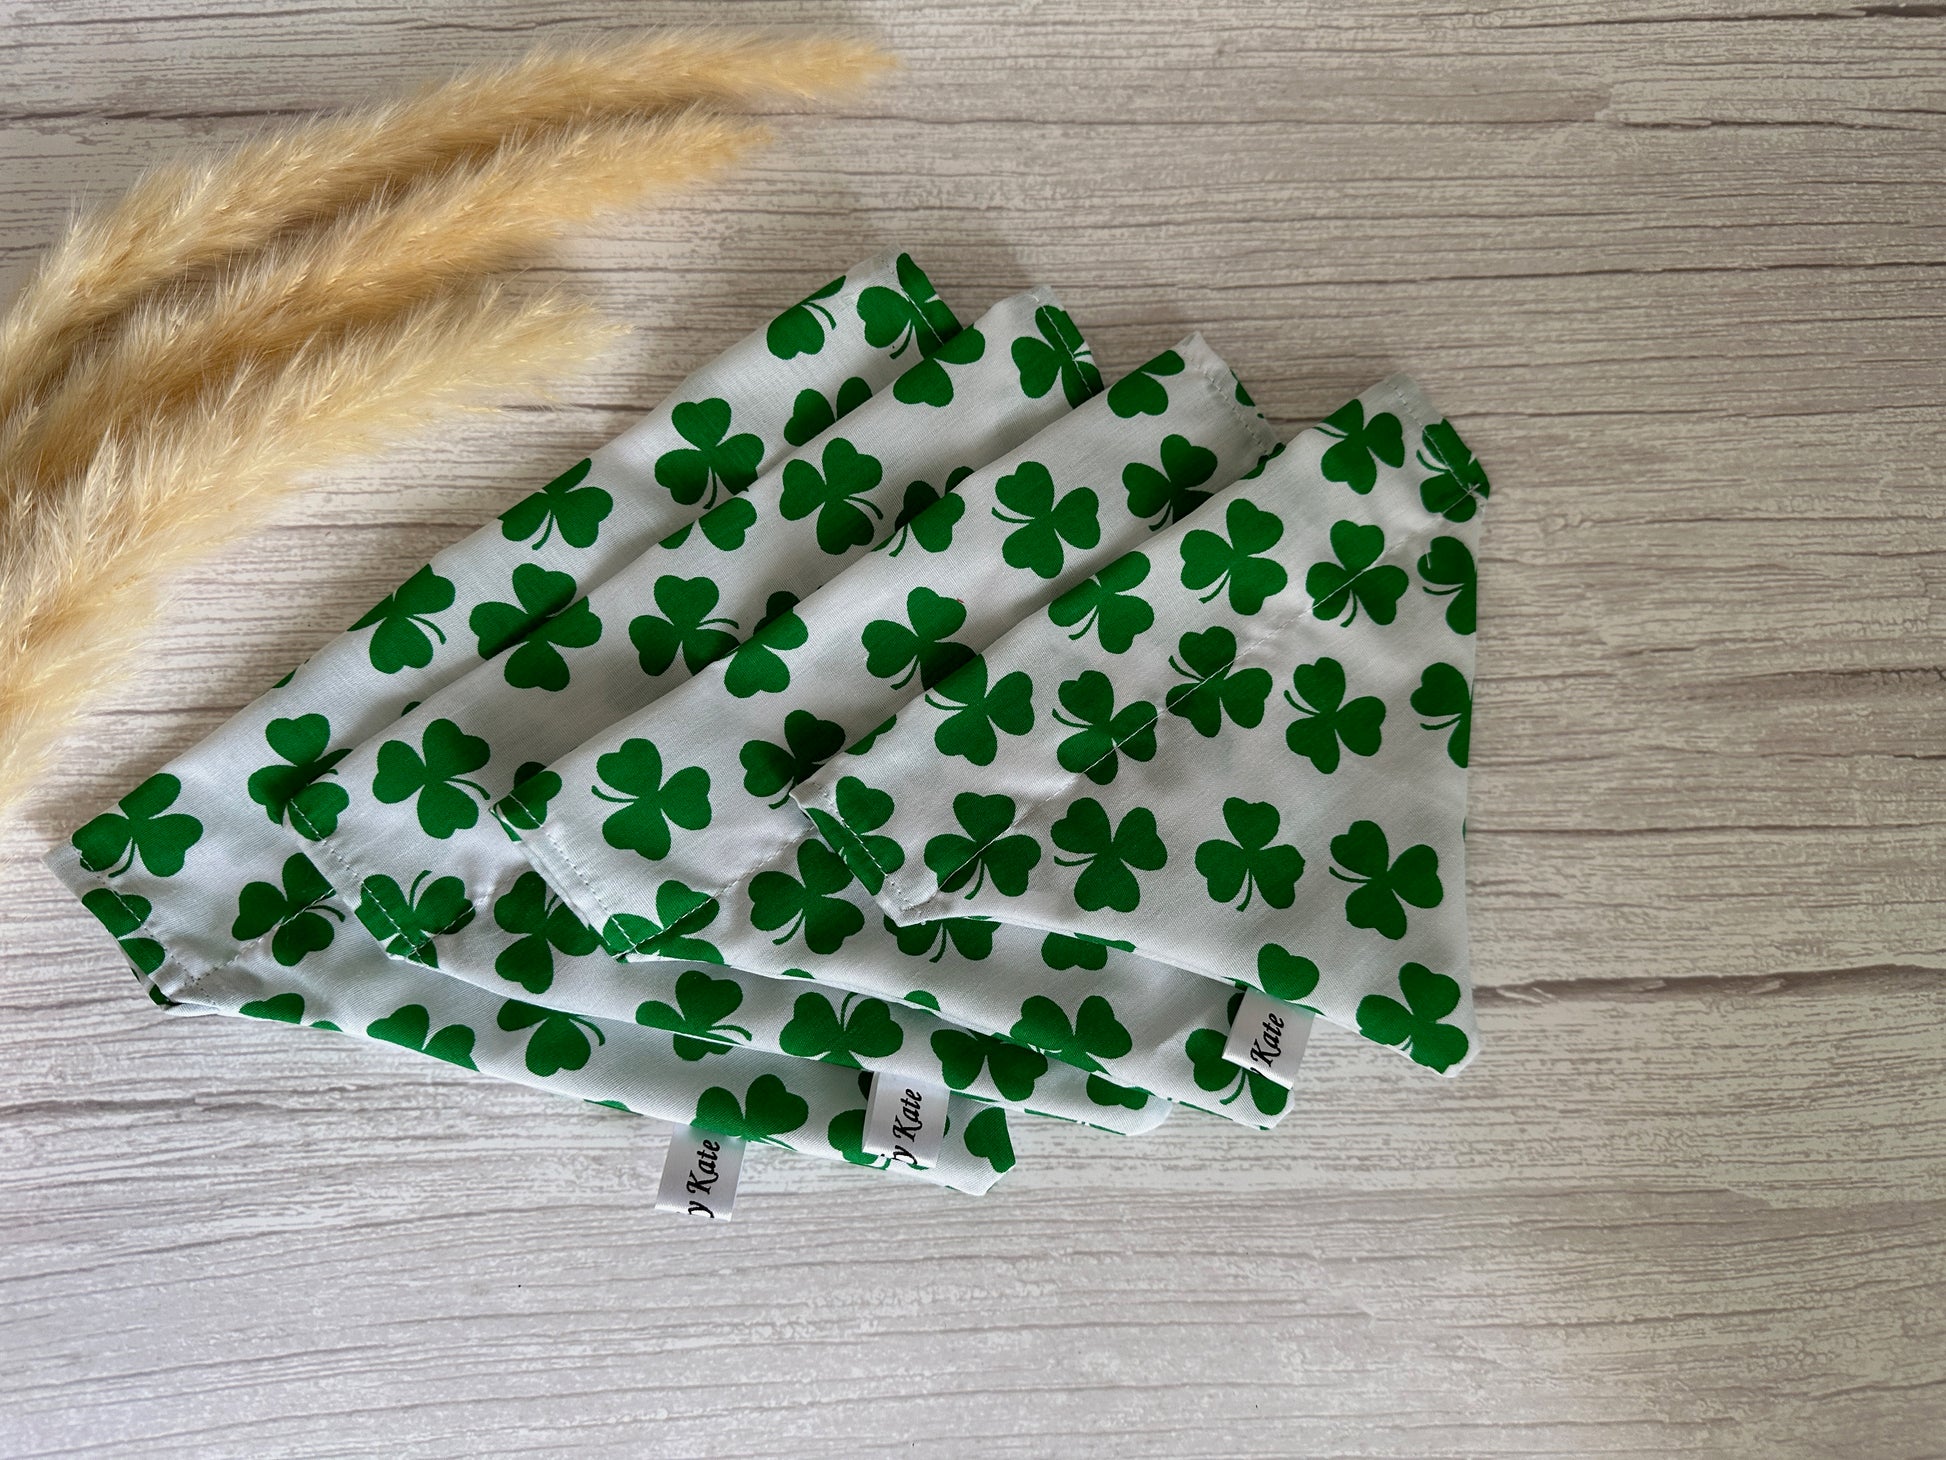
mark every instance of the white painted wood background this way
{"type": "Point", "coordinates": [1676, 268]}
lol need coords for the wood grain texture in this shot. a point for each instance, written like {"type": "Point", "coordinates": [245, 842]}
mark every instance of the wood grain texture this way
{"type": "Point", "coordinates": [1675, 266]}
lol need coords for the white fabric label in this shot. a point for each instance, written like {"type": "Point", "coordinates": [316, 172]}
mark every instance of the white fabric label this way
{"type": "Point", "coordinates": [906, 1120]}
{"type": "Point", "coordinates": [1268, 1037]}
{"type": "Point", "coordinates": [699, 1175]}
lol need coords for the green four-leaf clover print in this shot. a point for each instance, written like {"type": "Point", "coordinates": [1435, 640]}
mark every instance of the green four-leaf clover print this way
{"type": "Point", "coordinates": [1044, 519]}
{"type": "Point", "coordinates": [801, 329]}
{"type": "Point", "coordinates": [406, 921]}
{"type": "Point", "coordinates": [1231, 558]}
{"type": "Point", "coordinates": [402, 626]}
{"type": "Point", "coordinates": [435, 774]}
{"type": "Point", "coordinates": [978, 710]}
{"type": "Point", "coordinates": [649, 803]}
{"type": "Point", "coordinates": [1173, 491]}
{"type": "Point", "coordinates": [1059, 354]}
{"type": "Point", "coordinates": [768, 1110]}
{"type": "Point", "coordinates": [910, 314]}
{"type": "Point", "coordinates": [1109, 855]}
{"type": "Point", "coordinates": [921, 645]}
{"type": "Point", "coordinates": [542, 924]}
{"type": "Point", "coordinates": [857, 1028]}
{"type": "Point", "coordinates": [1212, 1072]}
{"type": "Point", "coordinates": [123, 914]}
{"type": "Point", "coordinates": [987, 1138]}
{"type": "Point", "coordinates": [1429, 998]}
{"type": "Point", "coordinates": [1353, 582]}
{"type": "Point", "coordinates": [927, 516]}
{"type": "Point", "coordinates": [563, 506]}
{"type": "Point", "coordinates": [1458, 483]}
{"type": "Point", "coordinates": [1012, 1067]}
{"type": "Point", "coordinates": [812, 415]}
{"type": "Point", "coordinates": [1381, 885]}
{"type": "Point", "coordinates": [410, 1025]}
{"type": "Point", "coordinates": [714, 458]}
{"type": "Point", "coordinates": [1326, 720]}
{"type": "Point", "coordinates": [1108, 604]}
{"type": "Point", "coordinates": [558, 1041]}
{"type": "Point", "coordinates": [970, 938]}
{"type": "Point", "coordinates": [681, 914]}
{"type": "Point", "coordinates": [770, 770]}
{"type": "Point", "coordinates": [293, 787]}
{"type": "Point", "coordinates": [757, 666]}
{"type": "Point", "coordinates": [1103, 734]}
{"type": "Point", "coordinates": [525, 807]}
{"type": "Point", "coordinates": [140, 828]}
{"type": "Point", "coordinates": [1248, 862]}
{"type": "Point", "coordinates": [1141, 391]}
{"type": "Point", "coordinates": [1213, 689]}
{"type": "Point", "coordinates": [699, 1017]}
{"type": "Point", "coordinates": [684, 626]}
{"type": "Point", "coordinates": [1447, 566]}
{"type": "Point", "coordinates": [1446, 702]}
{"type": "Point", "coordinates": [1285, 975]}
{"type": "Point", "coordinates": [545, 619]}
{"type": "Point", "coordinates": [862, 810]}
{"type": "Point", "coordinates": [928, 383]}
{"type": "Point", "coordinates": [808, 903]}
{"type": "Point", "coordinates": [297, 910]}
{"type": "Point", "coordinates": [982, 848]}
{"type": "Point", "coordinates": [1360, 445]}
{"type": "Point", "coordinates": [1094, 1035]}
{"type": "Point", "coordinates": [838, 492]}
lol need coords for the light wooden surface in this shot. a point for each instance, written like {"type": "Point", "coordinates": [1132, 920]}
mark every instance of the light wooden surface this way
{"type": "Point", "coordinates": [1677, 270]}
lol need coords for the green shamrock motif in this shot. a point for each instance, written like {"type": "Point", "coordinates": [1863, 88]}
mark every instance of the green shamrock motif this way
{"type": "Point", "coordinates": [963, 1054]}
{"type": "Point", "coordinates": [697, 1018]}
{"type": "Point", "coordinates": [1447, 567]}
{"type": "Point", "coordinates": [1360, 444]}
{"type": "Point", "coordinates": [281, 1008]}
{"type": "Point", "coordinates": [563, 506]}
{"type": "Point", "coordinates": [1429, 998]}
{"type": "Point", "coordinates": [1353, 582]}
{"type": "Point", "coordinates": [847, 1134]}
{"type": "Point", "coordinates": [406, 922]}
{"type": "Point", "coordinates": [1141, 391]}
{"type": "Point", "coordinates": [1106, 853]}
{"type": "Point", "coordinates": [757, 666]}
{"type": "Point", "coordinates": [987, 1138]}
{"type": "Point", "coordinates": [910, 314]}
{"type": "Point", "coordinates": [724, 526]}
{"type": "Point", "coordinates": [1171, 493]}
{"type": "Point", "coordinates": [713, 458]}
{"type": "Point", "coordinates": [861, 812]}
{"type": "Point", "coordinates": [525, 807]}
{"type": "Point", "coordinates": [858, 1027]}
{"type": "Point", "coordinates": [809, 902]}
{"type": "Point", "coordinates": [123, 914]}
{"type": "Point", "coordinates": [812, 415]}
{"type": "Point", "coordinates": [1249, 863]}
{"type": "Point", "coordinates": [1103, 734]}
{"type": "Point", "coordinates": [927, 517]}
{"type": "Point", "coordinates": [1383, 885]}
{"type": "Point", "coordinates": [1095, 1035]}
{"type": "Point", "coordinates": [770, 770]}
{"type": "Point", "coordinates": [557, 1042]}
{"type": "Point", "coordinates": [970, 938]}
{"type": "Point", "coordinates": [293, 786]}
{"type": "Point", "coordinates": [838, 494]}
{"type": "Point", "coordinates": [681, 913]}
{"type": "Point", "coordinates": [683, 627]}
{"type": "Point", "coordinates": [1108, 604]}
{"type": "Point", "coordinates": [1446, 702]}
{"type": "Point", "coordinates": [410, 1025]}
{"type": "Point", "coordinates": [1284, 975]}
{"type": "Point", "coordinates": [1212, 1072]}
{"type": "Point", "coordinates": [435, 774]}
{"type": "Point", "coordinates": [546, 619]}
{"type": "Point", "coordinates": [1325, 720]}
{"type": "Point", "coordinates": [1108, 1093]}
{"type": "Point", "coordinates": [1059, 354]}
{"type": "Point", "coordinates": [1062, 951]}
{"type": "Point", "coordinates": [768, 1110]}
{"type": "Point", "coordinates": [1458, 483]}
{"type": "Point", "coordinates": [1044, 523]}
{"type": "Point", "coordinates": [1213, 689]}
{"type": "Point", "coordinates": [800, 330]}
{"type": "Point", "coordinates": [928, 383]}
{"type": "Point", "coordinates": [139, 829]}
{"type": "Point", "coordinates": [402, 625]}
{"type": "Point", "coordinates": [1212, 560]}
{"type": "Point", "coordinates": [921, 645]}
{"type": "Point", "coordinates": [985, 850]}
{"type": "Point", "coordinates": [298, 911]}
{"type": "Point", "coordinates": [649, 804]}
{"type": "Point", "coordinates": [978, 710]}
{"type": "Point", "coordinates": [541, 923]}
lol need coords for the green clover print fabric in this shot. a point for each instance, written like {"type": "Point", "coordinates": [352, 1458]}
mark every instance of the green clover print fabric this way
{"type": "Point", "coordinates": [202, 873]}
{"type": "Point", "coordinates": [1263, 780]}
{"type": "Point", "coordinates": [656, 831]}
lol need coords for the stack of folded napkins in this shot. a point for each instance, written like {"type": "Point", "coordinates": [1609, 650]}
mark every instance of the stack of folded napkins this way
{"type": "Point", "coordinates": [892, 731]}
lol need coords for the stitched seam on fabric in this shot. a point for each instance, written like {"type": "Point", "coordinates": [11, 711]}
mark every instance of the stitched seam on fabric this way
{"type": "Point", "coordinates": [324, 845]}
